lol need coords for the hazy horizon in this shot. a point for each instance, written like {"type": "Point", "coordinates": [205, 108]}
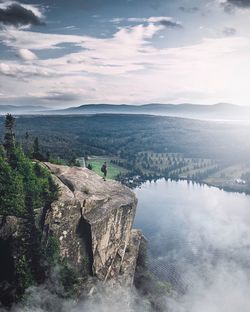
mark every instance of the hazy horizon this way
{"type": "Point", "coordinates": [18, 105]}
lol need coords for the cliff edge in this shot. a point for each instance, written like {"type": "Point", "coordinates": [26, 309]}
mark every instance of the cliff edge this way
{"type": "Point", "coordinates": [93, 220]}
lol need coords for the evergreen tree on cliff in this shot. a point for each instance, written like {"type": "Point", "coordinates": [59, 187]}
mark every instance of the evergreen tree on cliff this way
{"type": "Point", "coordinates": [9, 139]}
{"type": "Point", "coordinates": [11, 189]}
{"type": "Point", "coordinates": [24, 187]}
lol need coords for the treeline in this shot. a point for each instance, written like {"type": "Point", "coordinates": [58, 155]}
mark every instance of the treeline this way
{"type": "Point", "coordinates": [24, 185]}
{"type": "Point", "coordinates": [25, 188]}
{"type": "Point", "coordinates": [33, 150]}
{"type": "Point", "coordinates": [132, 139]}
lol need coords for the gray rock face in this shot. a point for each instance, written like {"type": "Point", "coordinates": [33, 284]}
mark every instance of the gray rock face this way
{"type": "Point", "coordinates": [93, 221]}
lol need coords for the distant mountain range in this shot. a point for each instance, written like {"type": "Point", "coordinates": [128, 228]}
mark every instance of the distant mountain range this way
{"type": "Point", "coordinates": [216, 111]}
{"type": "Point", "coordinates": [220, 111]}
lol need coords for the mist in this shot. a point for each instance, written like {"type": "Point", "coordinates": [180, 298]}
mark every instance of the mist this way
{"type": "Point", "coordinates": [119, 299]}
{"type": "Point", "coordinates": [199, 239]}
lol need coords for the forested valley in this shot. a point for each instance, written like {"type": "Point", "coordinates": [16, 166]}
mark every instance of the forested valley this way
{"type": "Point", "coordinates": [143, 147]}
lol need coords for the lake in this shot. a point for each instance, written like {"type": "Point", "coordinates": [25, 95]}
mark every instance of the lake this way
{"type": "Point", "coordinates": [199, 241]}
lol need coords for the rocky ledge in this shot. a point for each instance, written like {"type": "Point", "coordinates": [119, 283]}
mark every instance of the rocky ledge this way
{"type": "Point", "coordinates": [93, 220]}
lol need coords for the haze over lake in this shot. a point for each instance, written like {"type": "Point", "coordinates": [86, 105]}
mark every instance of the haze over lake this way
{"type": "Point", "coordinates": [199, 240]}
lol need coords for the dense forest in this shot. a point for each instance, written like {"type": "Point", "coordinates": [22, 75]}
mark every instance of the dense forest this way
{"type": "Point", "coordinates": [144, 145]}
{"type": "Point", "coordinates": [128, 134]}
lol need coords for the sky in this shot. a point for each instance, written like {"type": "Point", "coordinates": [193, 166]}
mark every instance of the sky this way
{"type": "Point", "coordinates": [62, 53]}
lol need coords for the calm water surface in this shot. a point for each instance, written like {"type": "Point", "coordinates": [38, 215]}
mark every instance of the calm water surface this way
{"type": "Point", "coordinates": [197, 235]}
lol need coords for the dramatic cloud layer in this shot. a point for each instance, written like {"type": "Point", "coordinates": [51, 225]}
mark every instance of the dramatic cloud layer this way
{"type": "Point", "coordinates": [104, 68]}
{"type": "Point", "coordinates": [124, 53]}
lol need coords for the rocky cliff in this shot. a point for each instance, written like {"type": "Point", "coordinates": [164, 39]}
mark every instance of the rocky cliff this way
{"type": "Point", "coordinates": [92, 221]}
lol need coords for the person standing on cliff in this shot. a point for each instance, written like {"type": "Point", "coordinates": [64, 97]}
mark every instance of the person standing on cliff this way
{"type": "Point", "coordinates": [104, 170]}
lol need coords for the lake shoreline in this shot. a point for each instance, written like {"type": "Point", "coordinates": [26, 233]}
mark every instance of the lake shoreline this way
{"type": "Point", "coordinates": [226, 188]}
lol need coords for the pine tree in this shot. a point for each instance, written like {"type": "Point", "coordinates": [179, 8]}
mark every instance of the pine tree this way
{"type": "Point", "coordinates": [36, 146]}
{"type": "Point", "coordinates": [10, 123]}
{"type": "Point", "coordinates": [36, 150]}
{"type": "Point", "coordinates": [9, 137]}
{"type": "Point", "coordinates": [11, 189]}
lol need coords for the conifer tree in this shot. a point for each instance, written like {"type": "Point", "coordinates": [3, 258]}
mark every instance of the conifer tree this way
{"type": "Point", "coordinates": [9, 138]}
{"type": "Point", "coordinates": [11, 189]}
{"type": "Point", "coordinates": [24, 187]}
{"type": "Point", "coordinates": [36, 150]}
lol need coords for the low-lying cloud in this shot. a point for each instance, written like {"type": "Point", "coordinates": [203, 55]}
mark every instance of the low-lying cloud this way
{"type": "Point", "coordinates": [200, 243]}
{"type": "Point", "coordinates": [42, 299]}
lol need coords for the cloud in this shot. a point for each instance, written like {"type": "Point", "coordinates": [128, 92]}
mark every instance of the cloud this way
{"type": "Point", "coordinates": [22, 71]}
{"type": "Point", "coordinates": [170, 24]}
{"type": "Point", "coordinates": [200, 243]}
{"type": "Point", "coordinates": [240, 3]}
{"type": "Point", "coordinates": [122, 68]}
{"type": "Point", "coordinates": [16, 14]}
{"type": "Point", "coordinates": [61, 96]}
{"type": "Point", "coordinates": [229, 31]}
{"type": "Point", "coordinates": [189, 9]}
{"type": "Point", "coordinates": [127, 40]}
{"type": "Point", "coordinates": [71, 27]}
{"type": "Point", "coordinates": [230, 5]}
{"type": "Point", "coordinates": [105, 298]}
{"type": "Point", "coordinates": [18, 39]}
{"type": "Point", "coordinates": [166, 21]}
{"type": "Point", "coordinates": [26, 55]}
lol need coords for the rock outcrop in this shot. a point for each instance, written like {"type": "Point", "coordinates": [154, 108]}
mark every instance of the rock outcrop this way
{"type": "Point", "coordinates": [93, 220]}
